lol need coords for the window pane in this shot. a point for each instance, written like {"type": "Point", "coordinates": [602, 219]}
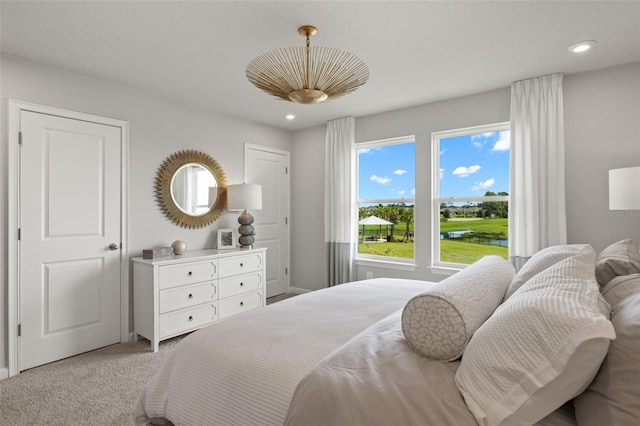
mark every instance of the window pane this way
{"type": "Point", "coordinates": [386, 193]}
{"type": "Point", "coordinates": [473, 166]}
{"type": "Point", "coordinates": [386, 230]}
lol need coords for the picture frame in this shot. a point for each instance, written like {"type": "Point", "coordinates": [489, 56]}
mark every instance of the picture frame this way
{"type": "Point", "coordinates": [226, 239]}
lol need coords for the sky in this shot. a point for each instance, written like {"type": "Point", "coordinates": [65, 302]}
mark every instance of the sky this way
{"type": "Point", "coordinates": [387, 172]}
{"type": "Point", "coordinates": [470, 166]}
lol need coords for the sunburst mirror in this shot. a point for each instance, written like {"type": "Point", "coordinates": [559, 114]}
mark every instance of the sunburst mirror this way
{"type": "Point", "coordinates": [191, 189]}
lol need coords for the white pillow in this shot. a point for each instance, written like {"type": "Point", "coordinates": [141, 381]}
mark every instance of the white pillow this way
{"type": "Point", "coordinates": [540, 348]}
{"type": "Point", "coordinates": [439, 322]}
{"type": "Point", "coordinates": [540, 261]}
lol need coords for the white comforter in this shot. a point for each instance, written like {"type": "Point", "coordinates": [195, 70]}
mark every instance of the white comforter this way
{"type": "Point", "coordinates": [377, 379]}
{"type": "Point", "coordinates": [244, 370]}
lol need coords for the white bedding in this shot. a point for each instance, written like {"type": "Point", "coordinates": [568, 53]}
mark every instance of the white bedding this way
{"type": "Point", "coordinates": [377, 379]}
{"type": "Point", "coordinates": [244, 370]}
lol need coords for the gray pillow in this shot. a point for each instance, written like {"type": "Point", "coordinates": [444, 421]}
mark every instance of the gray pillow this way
{"type": "Point", "coordinates": [620, 258]}
{"type": "Point", "coordinates": [613, 398]}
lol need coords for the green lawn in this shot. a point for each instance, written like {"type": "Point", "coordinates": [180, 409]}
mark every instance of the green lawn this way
{"type": "Point", "coordinates": [454, 251]}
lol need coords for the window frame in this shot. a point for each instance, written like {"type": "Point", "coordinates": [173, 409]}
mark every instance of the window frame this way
{"type": "Point", "coordinates": [399, 262]}
{"type": "Point", "coordinates": [436, 199]}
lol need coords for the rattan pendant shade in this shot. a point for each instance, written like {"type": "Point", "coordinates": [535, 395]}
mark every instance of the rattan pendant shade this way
{"type": "Point", "coordinates": [307, 75]}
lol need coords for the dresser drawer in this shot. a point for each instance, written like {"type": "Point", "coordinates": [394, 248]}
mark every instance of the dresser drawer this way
{"type": "Point", "coordinates": [188, 295]}
{"type": "Point", "coordinates": [239, 284]}
{"type": "Point", "coordinates": [186, 273]}
{"type": "Point", "coordinates": [239, 304]}
{"type": "Point", "coordinates": [237, 265]}
{"type": "Point", "coordinates": [177, 322]}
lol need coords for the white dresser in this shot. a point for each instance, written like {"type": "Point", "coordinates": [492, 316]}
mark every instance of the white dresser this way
{"type": "Point", "coordinates": [176, 295]}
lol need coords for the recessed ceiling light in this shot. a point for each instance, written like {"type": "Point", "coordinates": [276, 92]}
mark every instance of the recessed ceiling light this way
{"type": "Point", "coordinates": [581, 46]}
{"type": "Point", "coordinates": [289, 116]}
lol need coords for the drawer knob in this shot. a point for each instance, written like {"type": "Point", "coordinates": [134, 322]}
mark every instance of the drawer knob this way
{"type": "Point", "coordinates": [241, 284]}
{"type": "Point", "coordinates": [190, 317]}
{"type": "Point", "coordinates": [190, 296]}
{"type": "Point", "coordinates": [241, 265]}
{"type": "Point", "coordinates": [190, 273]}
{"type": "Point", "coordinates": [241, 303]}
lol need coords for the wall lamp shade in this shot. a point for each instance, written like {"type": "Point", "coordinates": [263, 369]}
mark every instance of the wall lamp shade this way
{"type": "Point", "coordinates": [245, 197]}
{"type": "Point", "coordinates": [624, 189]}
{"type": "Point", "coordinates": [307, 75]}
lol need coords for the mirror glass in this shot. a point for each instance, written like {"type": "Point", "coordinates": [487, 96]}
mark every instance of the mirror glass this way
{"type": "Point", "coordinates": [194, 189]}
{"type": "Point", "coordinates": [191, 189]}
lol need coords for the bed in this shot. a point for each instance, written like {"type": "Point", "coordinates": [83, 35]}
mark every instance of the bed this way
{"type": "Point", "coordinates": [358, 353]}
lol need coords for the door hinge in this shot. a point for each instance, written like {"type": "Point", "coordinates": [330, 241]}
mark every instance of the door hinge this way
{"type": "Point", "coordinates": [286, 170]}
{"type": "Point", "coordinates": [19, 138]}
{"type": "Point", "coordinates": [19, 233]}
{"type": "Point", "coordinates": [286, 271]}
{"type": "Point", "coordinates": [19, 330]}
{"type": "Point", "coordinates": [286, 220]}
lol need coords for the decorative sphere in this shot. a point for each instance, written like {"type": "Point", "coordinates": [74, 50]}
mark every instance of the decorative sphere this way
{"type": "Point", "coordinates": [179, 246]}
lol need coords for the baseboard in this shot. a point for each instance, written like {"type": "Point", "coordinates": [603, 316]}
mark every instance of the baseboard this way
{"type": "Point", "coordinates": [298, 290]}
{"type": "Point", "coordinates": [4, 373]}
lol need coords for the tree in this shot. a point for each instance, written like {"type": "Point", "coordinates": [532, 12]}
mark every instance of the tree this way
{"type": "Point", "coordinates": [498, 209]}
{"type": "Point", "coordinates": [406, 216]}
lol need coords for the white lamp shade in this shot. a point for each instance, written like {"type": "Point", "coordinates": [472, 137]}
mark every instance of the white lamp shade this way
{"type": "Point", "coordinates": [624, 189]}
{"type": "Point", "coordinates": [244, 196]}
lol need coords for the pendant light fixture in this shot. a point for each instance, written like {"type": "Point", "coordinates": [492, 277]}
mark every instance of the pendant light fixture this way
{"type": "Point", "coordinates": [307, 75]}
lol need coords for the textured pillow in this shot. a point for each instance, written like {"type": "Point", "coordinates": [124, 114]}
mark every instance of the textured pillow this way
{"type": "Point", "coordinates": [539, 262]}
{"type": "Point", "coordinates": [613, 398]}
{"type": "Point", "coordinates": [539, 349]}
{"type": "Point", "coordinates": [439, 322]}
{"type": "Point", "coordinates": [620, 258]}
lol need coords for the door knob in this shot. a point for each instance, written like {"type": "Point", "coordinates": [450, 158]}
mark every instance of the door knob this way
{"type": "Point", "coordinates": [113, 246]}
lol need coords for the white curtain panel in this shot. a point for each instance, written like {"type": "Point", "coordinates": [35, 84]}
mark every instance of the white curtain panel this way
{"type": "Point", "coordinates": [339, 208]}
{"type": "Point", "coordinates": [537, 209]}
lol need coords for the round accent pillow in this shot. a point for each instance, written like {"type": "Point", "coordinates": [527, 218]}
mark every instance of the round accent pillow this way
{"type": "Point", "coordinates": [439, 322]}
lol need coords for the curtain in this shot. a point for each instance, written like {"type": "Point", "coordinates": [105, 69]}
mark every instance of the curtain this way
{"type": "Point", "coordinates": [537, 209]}
{"type": "Point", "coordinates": [339, 189]}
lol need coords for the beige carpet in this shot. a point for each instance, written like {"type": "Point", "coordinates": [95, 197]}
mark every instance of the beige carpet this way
{"type": "Point", "coordinates": [96, 388]}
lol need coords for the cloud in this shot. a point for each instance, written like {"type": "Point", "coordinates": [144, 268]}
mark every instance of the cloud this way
{"type": "Point", "coordinates": [503, 143]}
{"type": "Point", "coordinates": [401, 192]}
{"type": "Point", "coordinates": [483, 185]}
{"type": "Point", "coordinates": [399, 172]}
{"type": "Point", "coordinates": [368, 150]}
{"type": "Point", "coordinates": [441, 173]}
{"type": "Point", "coordinates": [466, 171]}
{"type": "Point", "coordinates": [381, 180]}
{"type": "Point", "coordinates": [413, 191]}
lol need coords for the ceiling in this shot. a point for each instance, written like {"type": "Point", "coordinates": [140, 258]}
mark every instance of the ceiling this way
{"type": "Point", "coordinates": [417, 52]}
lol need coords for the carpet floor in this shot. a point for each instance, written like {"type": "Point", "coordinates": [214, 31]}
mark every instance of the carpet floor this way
{"type": "Point", "coordinates": [100, 387]}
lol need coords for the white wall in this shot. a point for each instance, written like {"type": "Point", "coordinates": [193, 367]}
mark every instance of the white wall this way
{"type": "Point", "coordinates": [158, 127]}
{"type": "Point", "coordinates": [602, 131]}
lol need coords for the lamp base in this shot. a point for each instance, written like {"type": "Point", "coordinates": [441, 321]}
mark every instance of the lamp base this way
{"type": "Point", "coordinates": [246, 230]}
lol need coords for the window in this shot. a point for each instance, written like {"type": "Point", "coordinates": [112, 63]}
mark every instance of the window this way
{"type": "Point", "coordinates": [386, 198]}
{"type": "Point", "coordinates": [471, 194]}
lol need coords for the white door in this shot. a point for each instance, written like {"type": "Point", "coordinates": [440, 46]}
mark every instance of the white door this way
{"type": "Point", "coordinates": [270, 168]}
{"type": "Point", "coordinates": [69, 215]}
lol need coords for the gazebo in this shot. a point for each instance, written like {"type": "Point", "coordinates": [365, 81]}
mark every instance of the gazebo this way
{"type": "Point", "coordinates": [374, 220]}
